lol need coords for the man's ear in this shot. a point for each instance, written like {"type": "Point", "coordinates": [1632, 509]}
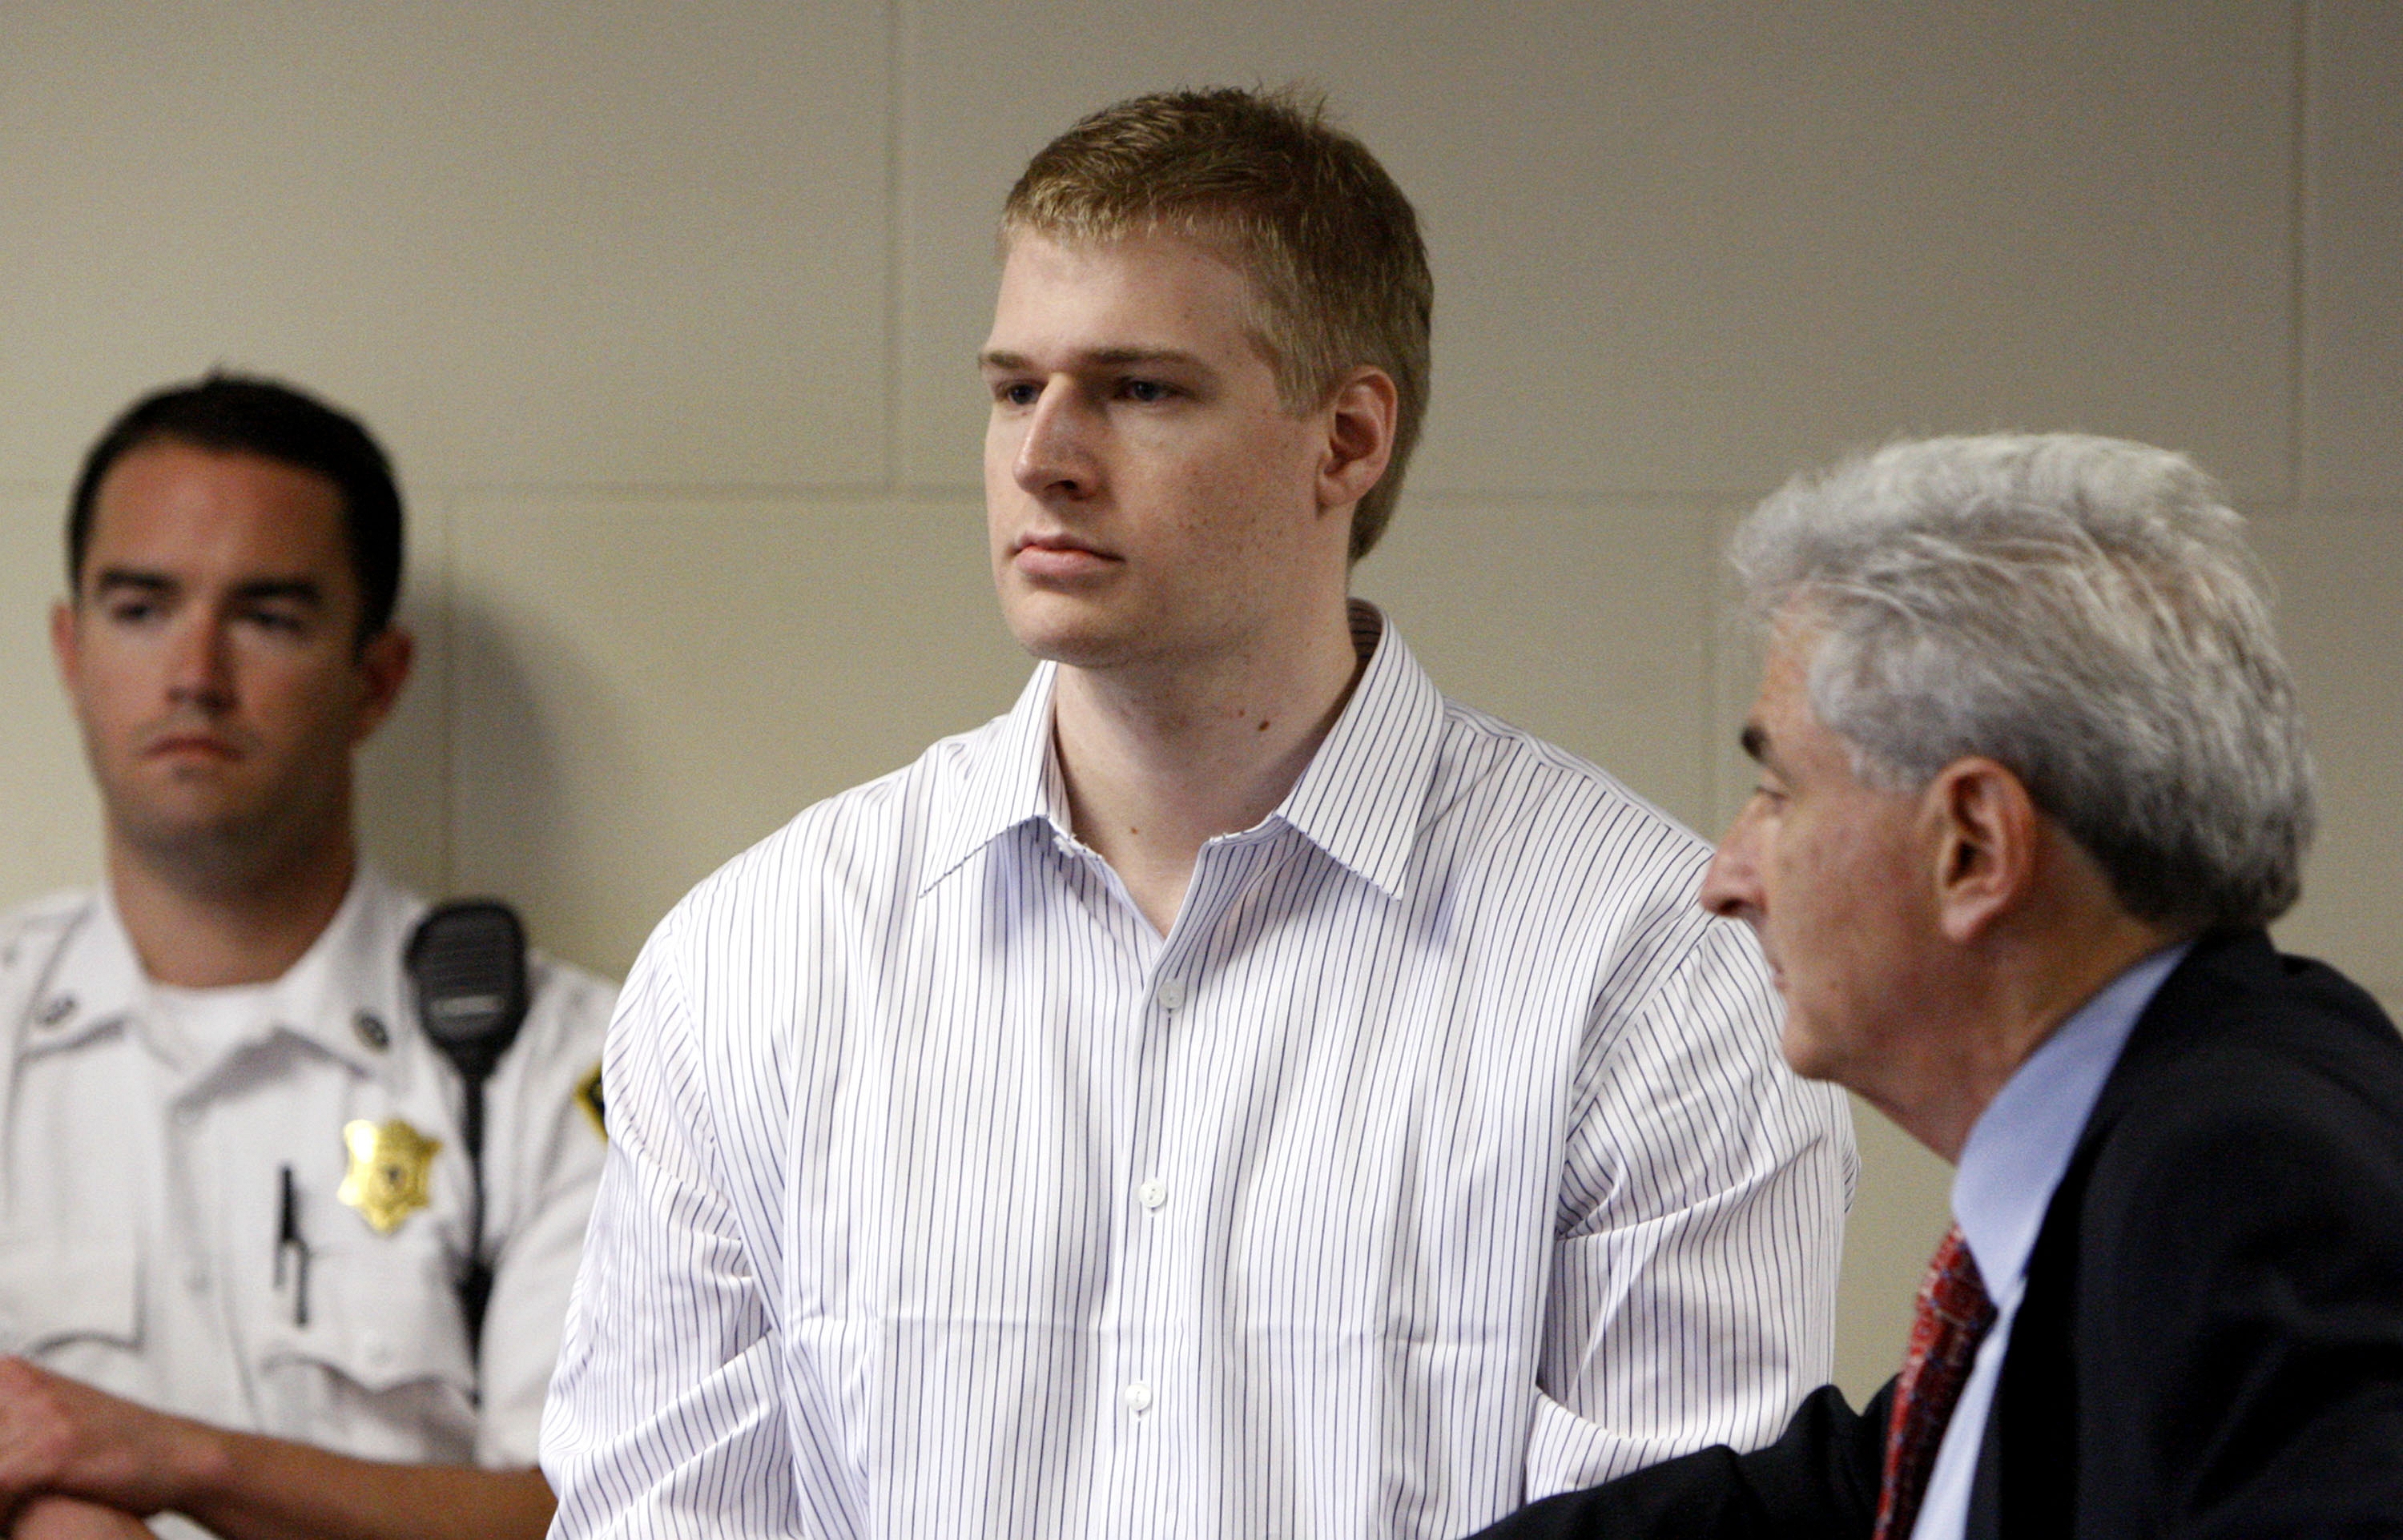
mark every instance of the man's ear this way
{"type": "Point", "coordinates": [63, 640]}
{"type": "Point", "coordinates": [1987, 830]}
{"type": "Point", "coordinates": [384, 660]}
{"type": "Point", "coordinates": [1360, 421]}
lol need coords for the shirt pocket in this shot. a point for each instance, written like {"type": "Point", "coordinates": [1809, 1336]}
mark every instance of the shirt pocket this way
{"type": "Point", "coordinates": [57, 1297]}
{"type": "Point", "coordinates": [381, 1369]}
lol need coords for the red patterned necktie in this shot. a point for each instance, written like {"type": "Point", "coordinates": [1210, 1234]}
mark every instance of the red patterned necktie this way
{"type": "Point", "coordinates": [1952, 1320]}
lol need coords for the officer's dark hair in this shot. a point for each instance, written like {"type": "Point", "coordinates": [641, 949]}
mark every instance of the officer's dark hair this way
{"type": "Point", "coordinates": [252, 414]}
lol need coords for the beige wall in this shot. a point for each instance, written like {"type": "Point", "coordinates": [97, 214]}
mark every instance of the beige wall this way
{"type": "Point", "coordinates": [667, 313]}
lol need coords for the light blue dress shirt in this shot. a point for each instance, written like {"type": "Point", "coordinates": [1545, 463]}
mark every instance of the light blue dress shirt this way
{"type": "Point", "coordinates": [2012, 1162]}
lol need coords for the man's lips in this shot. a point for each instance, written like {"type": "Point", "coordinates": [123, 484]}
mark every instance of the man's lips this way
{"type": "Point", "coordinates": [1058, 556]}
{"type": "Point", "coordinates": [191, 746]}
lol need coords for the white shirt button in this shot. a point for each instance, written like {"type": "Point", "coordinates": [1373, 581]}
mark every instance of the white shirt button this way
{"type": "Point", "coordinates": [1171, 993]}
{"type": "Point", "coordinates": [197, 1281]}
{"type": "Point", "coordinates": [379, 1351]}
{"type": "Point", "coordinates": [1138, 1396]}
{"type": "Point", "coordinates": [187, 1116]}
{"type": "Point", "coordinates": [1152, 1194]}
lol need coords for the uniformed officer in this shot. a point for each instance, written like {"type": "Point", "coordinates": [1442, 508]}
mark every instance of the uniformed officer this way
{"type": "Point", "coordinates": [234, 1204]}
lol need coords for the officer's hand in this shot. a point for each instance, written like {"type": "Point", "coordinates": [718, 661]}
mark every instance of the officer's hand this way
{"type": "Point", "coordinates": [72, 1518]}
{"type": "Point", "coordinates": [60, 1436]}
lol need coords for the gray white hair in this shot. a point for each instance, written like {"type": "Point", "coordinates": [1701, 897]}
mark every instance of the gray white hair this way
{"type": "Point", "coordinates": [2082, 610]}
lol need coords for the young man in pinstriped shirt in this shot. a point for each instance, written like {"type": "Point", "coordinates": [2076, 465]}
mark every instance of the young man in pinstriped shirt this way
{"type": "Point", "coordinates": [1237, 1093]}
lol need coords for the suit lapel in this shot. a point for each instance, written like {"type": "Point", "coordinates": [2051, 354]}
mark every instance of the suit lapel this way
{"type": "Point", "coordinates": [2026, 1482]}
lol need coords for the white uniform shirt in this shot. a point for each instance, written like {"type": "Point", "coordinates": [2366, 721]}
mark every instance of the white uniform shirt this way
{"type": "Point", "coordinates": [140, 1165]}
{"type": "Point", "coordinates": [1441, 1156]}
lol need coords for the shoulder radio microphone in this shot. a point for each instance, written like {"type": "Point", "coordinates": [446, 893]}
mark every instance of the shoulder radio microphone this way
{"type": "Point", "coordinates": [467, 960]}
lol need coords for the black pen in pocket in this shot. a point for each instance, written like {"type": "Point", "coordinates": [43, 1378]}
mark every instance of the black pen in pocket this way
{"type": "Point", "coordinates": [287, 1239]}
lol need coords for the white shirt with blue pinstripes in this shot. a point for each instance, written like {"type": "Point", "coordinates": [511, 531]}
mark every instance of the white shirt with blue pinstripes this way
{"type": "Point", "coordinates": [1439, 1156]}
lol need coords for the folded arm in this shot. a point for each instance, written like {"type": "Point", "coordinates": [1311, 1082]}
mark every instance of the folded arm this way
{"type": "Point", "coordinates": [63, 1440]}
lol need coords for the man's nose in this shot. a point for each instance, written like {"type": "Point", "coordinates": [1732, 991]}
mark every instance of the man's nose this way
{"type": "Point", "coordinates": [1054, 456]}
{"type": "Point", "coordinates": [200, 666]}
{"type": "Point", "coordinates": [1731, 886]}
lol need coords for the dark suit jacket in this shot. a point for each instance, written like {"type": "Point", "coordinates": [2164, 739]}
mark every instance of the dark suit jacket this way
{"type": "Point", "coordinates": [2211, 1343]}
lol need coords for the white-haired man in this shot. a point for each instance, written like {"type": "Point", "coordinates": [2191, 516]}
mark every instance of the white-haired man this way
{"type": "Point", "coordinates": [2032, 785]}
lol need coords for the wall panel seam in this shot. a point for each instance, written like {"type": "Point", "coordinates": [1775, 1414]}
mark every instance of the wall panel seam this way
{"type": "Point", "coordinates": [2298, 257]}
{"type": "Point", "coordinates": [896, 114]}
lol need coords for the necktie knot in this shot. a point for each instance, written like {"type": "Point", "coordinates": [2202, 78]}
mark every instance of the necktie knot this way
{"type": "Point", "coordinates": [1953, 1316]}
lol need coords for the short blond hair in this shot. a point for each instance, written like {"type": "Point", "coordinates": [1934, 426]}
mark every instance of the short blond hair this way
{"type": "Point", "coordinates": [1330, 244]}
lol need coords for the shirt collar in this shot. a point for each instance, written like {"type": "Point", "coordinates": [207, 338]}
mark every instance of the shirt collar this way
{"type": "Point", "coordinates": [1000, 778]}
{"type": "Point", "coordinates": [352, 971]}
{"type": "Point", "coordinates": [349, 972]}
{"type": "Point", "coordinates": [2021, 1143]}
{"type": "Point", "coordinates": [1361, 797]}
{"type": "Point", "coordinates": [96, 981]}
{"type": "Point", "coordinates": [1359, 800]}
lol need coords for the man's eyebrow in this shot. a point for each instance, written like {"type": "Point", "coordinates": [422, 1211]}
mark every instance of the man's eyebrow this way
{"type": "Point", "coordinates": [1119, 357]}
{"type": "Point", "coordinates": [998, 359]}
{"type": "Point", "coordinates": [130, 577]}
{"type": "Point", "coordinates": [301, 591]}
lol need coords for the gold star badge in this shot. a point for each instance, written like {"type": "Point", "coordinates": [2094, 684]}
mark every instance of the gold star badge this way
{"type": "Point", "coordinates": [386, 1179]}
